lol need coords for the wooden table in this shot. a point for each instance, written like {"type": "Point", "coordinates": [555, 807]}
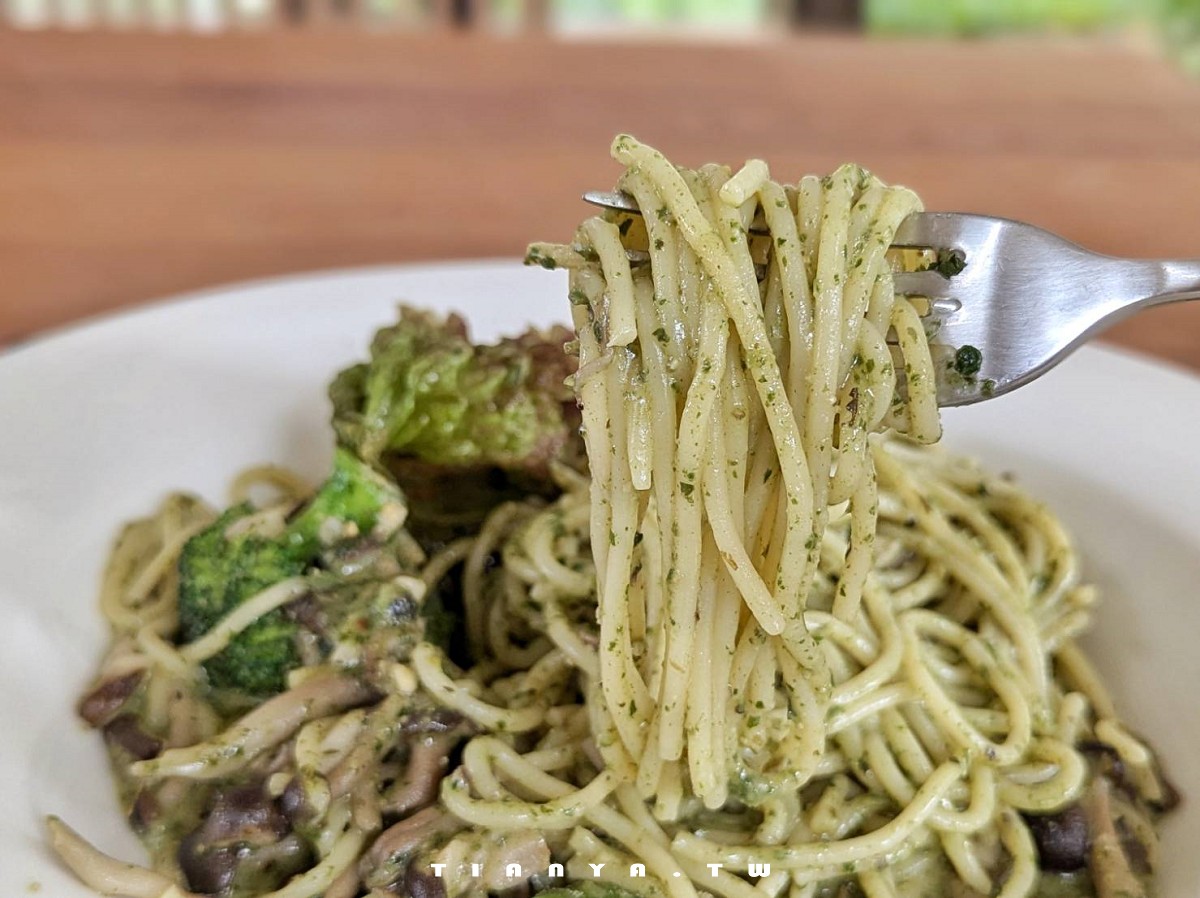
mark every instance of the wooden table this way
{"type": "Point", "coordinates": [136, 166]}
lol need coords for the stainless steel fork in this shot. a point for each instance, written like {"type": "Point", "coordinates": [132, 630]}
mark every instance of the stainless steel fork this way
{"type": "Point", "coordinates": [1017, 299]}
{"type": "Point", "coordinates": [1025, 298]}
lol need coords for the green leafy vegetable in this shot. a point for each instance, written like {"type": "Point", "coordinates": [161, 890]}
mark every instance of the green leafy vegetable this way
{"type": "Point", "coordinates": [428, 392]}
{"type": "Point", "coordinates": [460, 427]}
{"type": "Point", "coordinates": [354, 493]}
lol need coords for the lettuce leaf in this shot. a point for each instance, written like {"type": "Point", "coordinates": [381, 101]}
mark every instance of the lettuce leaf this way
{"type": "Point", "coordinates": [429, 393]}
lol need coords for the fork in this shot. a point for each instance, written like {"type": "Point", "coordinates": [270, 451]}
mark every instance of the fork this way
{"type": "Point", "coordinates": [1019, 300]}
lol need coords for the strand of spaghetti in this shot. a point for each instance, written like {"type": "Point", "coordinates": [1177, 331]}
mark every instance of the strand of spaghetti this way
{"type": "Point", "coordinates": [1083, 676]}
{"type": "Point", "coordinates": [724, 634]}
{"type": "Point", "coordinates": [952, 719]}
{"type": "Point", "coordinates": [879, 843]}
{"type": "Point", "coordinates": [538, 544]}
{"type": "Point", "coordinates": [447, 558]}
{"type": "Point", "coordinates": [966, 861]}
{"type": "Point", "coordinates": [743, 185]}
{"type": "Point", "coordinates": [867, 267]}
{"type": "Point", "coordinates": [428, 663]}
{"type": "Point", "coordinates": [639, 445]}
{"type": "Point", "coordinates": [590, 383]}
{"type": "Point", "coordinates": [923, 424]}
{"type": "Point", "coordinates": [510, 813]}
{"type": "Point", "coordinates": [885, 657]}
{"type": "Point", "coordinates": [290, 485]}
{"type": "Point", "coordinates": [130, 577]}
{"type": "Point", "coordinates": [736, 558]}
{"type": "Point", "coordinates": [796, 300]}
{"type": "Point", "coordinates": [801, 747]}
{"type": "Point", "coordinates": [746, 314]}
{"type": "Point", "coordinates": [708, 780]}
{"type": "Point", "coordinates": [665, 312]}
{"type": "Point", "coordinates": [139, 588]}
{"type": "Point", "coordinates": [658, 522]}
{"type": "Point", "coordinates": [1065, 785]}
{"type": "Point", "coordinates": [843, 717]}
{"type": "Point", "coordinates": [474, 565]}
{"type": "Point", "coordinates": [222, 633]}
{"type": "Point", "coordinates": [859, 554]}
{"type": "Point", "coordinates": [605, 239]}
{"type": "Point", "coordinates": [661, 861]}
{"type": "Point", "coordinates": [1015, 837]}
{"type": "Point", "coordinates": [316, 880]}
{"type": "Point", "coordinates": [164, 654]}
{"type": "Point", "coordinates": [828, 287]}
{"type": "Point", "coordinates": [877, 884]}
{"type": "Point", "coordinates": [683, 580]}
{"type": "Point", "coordinates": [998, 543]}
{"type": "Point", "coordinates": [622, 684]}
{"type": "Point", "coordinates": [915, 757]}
{"type": "Point", "coordinates": [808, 207]}
{"type": "Point", "coordinates": [956, 552]}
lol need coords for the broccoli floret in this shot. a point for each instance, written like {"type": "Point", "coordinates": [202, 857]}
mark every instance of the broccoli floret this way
{"type": "Point", "coordinates": [258, 660]}
{"type": "Point", "coordinates": [355, 494]}
{"type": "Point", "coordinates": [461, 427]}
{"type": "Point", "coordinates": [217, 572]}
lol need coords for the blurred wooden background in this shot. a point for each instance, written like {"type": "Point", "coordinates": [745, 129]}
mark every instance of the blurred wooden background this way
{"type": "Point", "coordinates": [137, 165]}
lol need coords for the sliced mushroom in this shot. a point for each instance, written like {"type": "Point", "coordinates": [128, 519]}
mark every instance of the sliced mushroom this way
{"type": "Point", "coordinates": [244, 840]}
{"type": "Point", "coordinates": [386, 861]}
{"type": "Point", "coordinates": [126, 733]}
{"type": "Point", "coordinates": [1061, 839]}
{"type": "Point", "coordinates": [105, 701]}
{"type": "Point", "coordinates": [1111, 873]}
{"type": "Point", "coordinates": [293, 804]}
{"type": "Point", "coordinates": [144, 811]}
{"type": "Point", "coordinates": [1107, 761]}
{"type": "Point", "coordinates": [428, 760]}
{"type": "Point", "coordinates": [433, 720]}
{"type": "Point", "coordinates": [248, 869]}
{"type": "Point", "coordinates": [418, 884]}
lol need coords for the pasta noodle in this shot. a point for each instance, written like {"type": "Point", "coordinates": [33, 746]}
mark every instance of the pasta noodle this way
{"type": "Point", "coordinates": [772, 645]}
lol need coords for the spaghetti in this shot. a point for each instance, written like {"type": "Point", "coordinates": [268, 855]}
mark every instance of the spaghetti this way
{"type": "Point", "coordinates": [770, 645]}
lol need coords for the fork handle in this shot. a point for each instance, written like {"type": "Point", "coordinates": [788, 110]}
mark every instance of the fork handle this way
{"type": "Point", "coordinates": [1170, 281]}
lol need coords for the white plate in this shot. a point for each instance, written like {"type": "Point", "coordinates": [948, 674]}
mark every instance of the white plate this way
{"type": "Point", "coordinates": [98, 422]}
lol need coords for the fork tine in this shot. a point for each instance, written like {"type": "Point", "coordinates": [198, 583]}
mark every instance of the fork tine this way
{"type": "Point", "coordinates": [615, 199]}
{"type": "Point", "coordinates": [931, 284]}
{"type": "Point", "coordinates": [938, 230]}
{"type": "Point", "coordinates": [948, 230]}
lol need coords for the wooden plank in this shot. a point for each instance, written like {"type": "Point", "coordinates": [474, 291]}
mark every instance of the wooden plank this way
{"type": "Point", "coordinates": [134, 166]}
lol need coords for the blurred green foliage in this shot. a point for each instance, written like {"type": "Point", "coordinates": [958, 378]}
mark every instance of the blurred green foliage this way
{"type": "Point", "coordinates": [1181, 23]}
{"type": "Point", "coordinates": [973, 17]}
